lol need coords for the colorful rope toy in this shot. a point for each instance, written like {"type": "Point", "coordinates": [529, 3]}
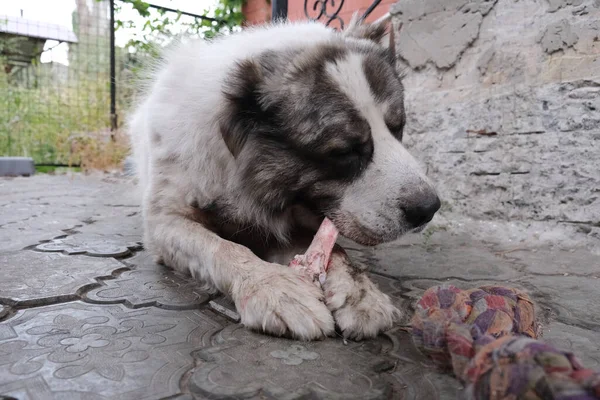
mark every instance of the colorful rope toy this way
{"type": "Point", "coordinates": [488, 338]}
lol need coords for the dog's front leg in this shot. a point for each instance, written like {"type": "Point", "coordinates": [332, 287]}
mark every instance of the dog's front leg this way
{"type": "Point", "coordinates": [269, 297]}
{"type": "Point", "coordinates": [359, 308]}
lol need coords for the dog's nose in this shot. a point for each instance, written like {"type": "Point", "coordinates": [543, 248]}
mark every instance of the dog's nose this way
{"type": "Point", "coordinates": [422, 210]}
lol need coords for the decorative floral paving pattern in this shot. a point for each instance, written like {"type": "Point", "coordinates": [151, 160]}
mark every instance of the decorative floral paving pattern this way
{"type": "Point", "coordinates": [75, 323]}
{"type": "Point", "coordinates": [158, 286]}
{"type": "Point", "coordinates": [90, 245]}
{"type": "Point", "coordinates": [242, 364]}
{"type": "Point", "coordinates": [109, 351]}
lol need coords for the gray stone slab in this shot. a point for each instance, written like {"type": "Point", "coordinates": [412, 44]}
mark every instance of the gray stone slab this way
{"type": "Point", "coordinates": [508, 133]}
{"type": "Point", "coordinates": [91, 245]}
{"type": "Point", "coordinates": [120, 220]}
{"type": "Point", "coordinates": [446, 257]}
{"type": "Point", "coordinates": [27, 225]}
{"type": "Point", "coordinates": [571, 300]}
{"type": "Point", "coordinates": [18, 239]}
{"type": "Point", "coordinates": [581, 342]}
{"type": "Point", "coordinates": [225, 307]}
{"type": "Point", "coordinates": [87, 351]}
{"type": "Point", "coordinates": [553, 261]}
{"type": "Point", "coordinates": [160, 287]}
{"type": "Point", "coordinates": [416, 376]}
{"type": "Point", "coordinates": [392, 287]}
{"type": "Point", "coordinates": [438, 31]}
{"type": "Point", "coordinates": [95, 211]}
{"type": "Point", "coordinates": [243, 364]}
{"type": "Point", "coordinates": [142, 260]}
{"type": "Point", "coordinates": [16, 166]}
{"type": "Point", "coordinates": [33, 278]}
{"type": "Point", "coordinates": [558, 36]}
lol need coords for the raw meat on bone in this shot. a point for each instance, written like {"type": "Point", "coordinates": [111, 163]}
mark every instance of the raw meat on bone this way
{"type": "Point", "coordinates": [315, 261]}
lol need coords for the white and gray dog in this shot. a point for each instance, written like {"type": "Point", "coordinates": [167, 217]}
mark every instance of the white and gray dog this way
{"type": "Point", "coordinates": [245, 143]}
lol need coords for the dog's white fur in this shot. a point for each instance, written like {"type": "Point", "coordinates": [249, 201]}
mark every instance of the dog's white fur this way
{"type": "Point", "coordinates": [181, 108]}
{"type": "Point", "coordinates": [371, 201]}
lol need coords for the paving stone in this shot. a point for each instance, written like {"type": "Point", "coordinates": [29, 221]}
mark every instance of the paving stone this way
{"type": "Point", "coordinates": [548, 261]}
{"type": "Point", "coordinates": [14, 240]}
{"type": "Point", "coordinates": [43, 207]}
{"type": "Point", "coordinates": [572, 300]}
{"type": "Point", "coordinates": [416, 375]}
{"type": "Point", "coordinates": [23, 232]}
{"type": "Point", "coordinates": [225, 307]}
{"type": "Point", "coordinates": [119, 220]}
{"type": "Point", "coordinates": [140, 337]}
{"type": "Point", "coordinates": [242, 364]}
{"type": "Point", "coordinates": [142, 260]}
{"type": "Point", "coordinates": [91, 245]}
{"type": "Point", "coordinates": [582, 342]}
{"type": "Point", "coordinates": [451, 257]}
{"type": "Point", "coordinates": [159, 286]}
{"type": "Point", "coordinates": [392, 287]}
{"type": "Point", "coordinates": [86, 351]}
{"type": "Point", "coordinates": [33, 278]}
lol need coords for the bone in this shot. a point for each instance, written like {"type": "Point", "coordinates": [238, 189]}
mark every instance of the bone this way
{"type": "Point", "coordinates": [315, 261]}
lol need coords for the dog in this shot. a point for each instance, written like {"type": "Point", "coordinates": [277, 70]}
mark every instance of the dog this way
{"type": "Point", "coordinates": [245, 143]}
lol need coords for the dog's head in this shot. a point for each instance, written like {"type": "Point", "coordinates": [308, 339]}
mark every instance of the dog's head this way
{"type": "Point", "coordinates": [321, 126]}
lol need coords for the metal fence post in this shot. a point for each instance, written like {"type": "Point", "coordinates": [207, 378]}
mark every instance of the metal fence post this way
{"type": "Point", "coordinates": [113, 71]}
{"type": "Point", "coordinates": [279, 10]}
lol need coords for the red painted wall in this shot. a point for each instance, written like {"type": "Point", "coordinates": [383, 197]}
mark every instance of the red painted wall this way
{"type": "Point", "coordinates": [256, 12]}
{"type": "Point", "coordinates": [259, 11]}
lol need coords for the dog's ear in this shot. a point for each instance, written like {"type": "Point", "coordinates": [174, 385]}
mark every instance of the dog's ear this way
{"type": "Point", "coordinates": [374, 32]}
{"type": "Point", "coordinates": [242, 110]}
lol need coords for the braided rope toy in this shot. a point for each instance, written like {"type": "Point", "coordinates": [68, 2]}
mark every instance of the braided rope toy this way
{"type": "Point", "coordinates": [488, 338]}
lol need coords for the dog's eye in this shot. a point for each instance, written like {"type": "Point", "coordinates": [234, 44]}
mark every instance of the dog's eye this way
{"type": "Point", "coordinates": [396, 129]}
{"type": "Point", "coordinates": [341, 152]}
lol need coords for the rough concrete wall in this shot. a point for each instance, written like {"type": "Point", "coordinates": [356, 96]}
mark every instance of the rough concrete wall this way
{"type": "Point", "coordinates": [503, 101]}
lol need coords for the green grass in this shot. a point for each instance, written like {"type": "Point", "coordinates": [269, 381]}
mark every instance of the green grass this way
{"type": "Point", "coordinates": [60, 121]}
{"type": "Point", "coordinates": [40, 122]}
{"type": "Point", "coordinates": [49, 169]}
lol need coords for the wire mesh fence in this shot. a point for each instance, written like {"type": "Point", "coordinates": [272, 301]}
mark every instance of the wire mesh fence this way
{"type": "Point", "coordinates": [55, 91]}
{"type": "Point", "coordinates": [54, 83]}
{"type": "Point", "coordinates": [65, 86]}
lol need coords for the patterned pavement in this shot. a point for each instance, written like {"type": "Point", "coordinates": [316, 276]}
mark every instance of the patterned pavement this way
{"type": "Point", "coordinates": [86, 314]}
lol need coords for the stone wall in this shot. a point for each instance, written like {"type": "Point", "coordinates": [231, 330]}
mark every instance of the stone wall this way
{"type": "Point", "coordinates": [503, 100]}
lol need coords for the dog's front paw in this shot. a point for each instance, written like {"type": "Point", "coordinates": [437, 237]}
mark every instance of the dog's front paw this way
{"type": "Point", "coordinates": [277, 300]}
{"type": "Point", "coordinates": [359, 308]}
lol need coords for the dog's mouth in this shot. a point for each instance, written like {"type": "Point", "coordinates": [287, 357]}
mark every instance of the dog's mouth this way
{"type": "Point", "coordinates": [420, 228]}
{"type": "Point", "coordinates": [350, 228]}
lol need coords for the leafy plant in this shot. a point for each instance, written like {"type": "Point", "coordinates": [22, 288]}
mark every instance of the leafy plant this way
{"type": "Point", "coordinates": [225, 17]}
{"type": "Point", "coordinates": [59, 114]}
